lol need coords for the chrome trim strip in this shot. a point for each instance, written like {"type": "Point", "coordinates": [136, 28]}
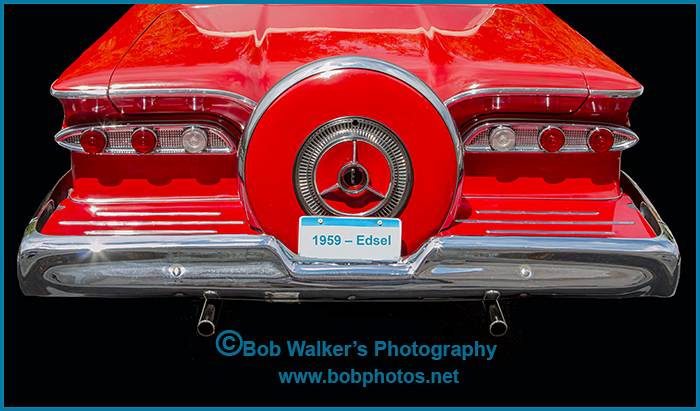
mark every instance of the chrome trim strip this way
{"type": "Point", "coordinates": [618, 93]}
{"type": "Point", "coordinates": [550, 232]}
{"type": "Point", "coordinates": [516, 90]}
{"type": "Point", "coordinates": [154, 213]}
{"type": "Point", "coordinates": [542, 91]}
{"type": "Point", "coordinates": [82, 92]}
{"type": "Point", "coordinates": [538, 212]}
{"type": "Point", "coordinates": [160, 130]}
{"type": "Point", "coordinates": [148, 232]}
{"type": "Point", "coordinates": [155, 92]}
{"type": "Point", "coordinates": [148, 199]}
{"type": "Point", "coordinates": [627, 140]}
{"type": "Point", "coordinates": [541, 198]}
{"type": "Point", "coordinates": [547, 222]}
{"type": "Point", "coordinates": [142, 223]}
{"type": "Point", "coordinates": [97, 92]}
{"type": "Point", "coordinates": [102, 92]}
{"type": "Point", "coordinates": [340, 63]}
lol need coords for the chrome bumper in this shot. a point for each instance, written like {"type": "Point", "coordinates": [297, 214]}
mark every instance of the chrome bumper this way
{"type": "Point", "coordinates": [259, 267]}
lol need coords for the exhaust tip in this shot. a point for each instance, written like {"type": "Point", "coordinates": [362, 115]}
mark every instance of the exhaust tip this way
{"type": "Point", "coordinates": [497, 325]}
{"type": "Point", "coordinates": [206, 328]}
{"type": "Point", "coordinates": [498, 328]}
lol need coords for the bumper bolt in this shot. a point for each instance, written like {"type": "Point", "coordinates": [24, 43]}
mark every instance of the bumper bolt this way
{"type": "Point", "coordinates": [525, 272]}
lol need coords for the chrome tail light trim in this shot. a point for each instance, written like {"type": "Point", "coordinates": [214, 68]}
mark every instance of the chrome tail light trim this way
{"type": "Point", "coordinates": [169, 138]}
{"type": "Point", "coordinates": [527, 137]}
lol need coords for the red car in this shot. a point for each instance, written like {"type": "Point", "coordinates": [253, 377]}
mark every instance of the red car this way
{"type": "Point", "coordinates": [346, 152]}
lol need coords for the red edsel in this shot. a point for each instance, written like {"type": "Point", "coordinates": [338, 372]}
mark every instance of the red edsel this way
{"type": "Point", "coordinates": [346, 152]}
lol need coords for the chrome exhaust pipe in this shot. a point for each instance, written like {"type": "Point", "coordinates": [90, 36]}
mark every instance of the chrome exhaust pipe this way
{"type": "Point", "coordinates": [205, 326]}
{"type": "Point", "coordinates": [497, 322]}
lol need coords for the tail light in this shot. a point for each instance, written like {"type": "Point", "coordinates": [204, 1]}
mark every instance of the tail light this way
{"type": "Point", "coordinates": [551, 139]}
{"type": "Point", "coordinates": [502, 138]}
{"type": "Point", "coordinates": [144, 140]}
{"type": "Point", "coordinates": [93, 141]}
{"type": "Point", "coordinates": [147, 138]}
{"type": "Point", "coordinates": [547, 137]}
{"type": "Point", "coordinates": [600, 140]}
{"type": "Point", "coordinates": [194, 140]}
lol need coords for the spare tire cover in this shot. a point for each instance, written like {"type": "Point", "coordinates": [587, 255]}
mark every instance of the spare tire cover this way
{"type": "Point", "coordinates": [350, 136]}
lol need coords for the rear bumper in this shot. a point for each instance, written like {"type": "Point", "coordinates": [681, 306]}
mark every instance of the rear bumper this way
{"type": "Point", "coordinates": [259, 267]}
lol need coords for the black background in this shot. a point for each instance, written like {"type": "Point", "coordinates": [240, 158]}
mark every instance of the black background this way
{"type": "Point", "coordinates": [63, 351]}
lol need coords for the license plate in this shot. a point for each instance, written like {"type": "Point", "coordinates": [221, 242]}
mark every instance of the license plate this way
{"type": "Point", "coordinates": [350, 238]}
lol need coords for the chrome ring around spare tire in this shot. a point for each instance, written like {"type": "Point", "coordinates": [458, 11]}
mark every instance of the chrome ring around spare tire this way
{"type": "Point", "coordinates": [355, 130]}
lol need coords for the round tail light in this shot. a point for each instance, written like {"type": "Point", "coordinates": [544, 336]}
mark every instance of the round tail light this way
{"type": "Point", "coordinates": [502, 138]}
{"type": "Point", "coordinates": [93, 141]}
{"type": "Point", "coordinates": [551, 139]}
{"type": "Point", "coordinates": [194, 140]}
{"type": "Point", "coordinates": [600, 140]}
{"type": "Point", "coordinates": [143, 140]}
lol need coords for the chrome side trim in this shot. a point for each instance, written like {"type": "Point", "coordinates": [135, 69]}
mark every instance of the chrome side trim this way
{"type": "Point", "coordinates": [97, 92]}
{"type": "Point", "coordinates": [340, 63]}
{"type": "Point", "coordinates": [85, 92]}
{"type": "Point", "coordinates": [149, 232]}
{"type": "Point", "coordinates": [547, 222]}
{"type": "Point", "coordinates": [516, 90]}
{"type": "Point", "coordinates": [148, 199]}
{"type": "Point", "coordinates": [154, 92]}
{"type": "Point", "coordinates": [542, 91]}
{"type": "Point", "coordinates": [538, 212]}
{"type": "Point", "coordinates": [618, 93]}
{"type": "Point", "coordinates": [154, 213]}
{"type": "Point", "coordinates": [540, 198]}
{"type": "Point", "coordinates": [541, 232]}
{"type": "Point", "coordinates": [143, 223]}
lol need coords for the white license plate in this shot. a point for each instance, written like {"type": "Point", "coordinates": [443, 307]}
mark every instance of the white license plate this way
{"type": "Point", "coordinates": [350, 238]}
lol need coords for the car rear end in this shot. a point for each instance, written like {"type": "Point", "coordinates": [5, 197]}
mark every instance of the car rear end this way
{"type": "Point", "coordinates": [182, 184]}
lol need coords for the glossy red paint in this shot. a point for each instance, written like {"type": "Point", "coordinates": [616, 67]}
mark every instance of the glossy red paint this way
{"type": "Point", "coordinates": [484, 54]}
{"type": "Point", "coordinates": [91, 71]}
{"type": "Point", "coordinates": [597, 109]}
{"type": "Point", "coordinates": [245, 49]}
{"type": "Point", "coordinates": [282, 130]}
{"type": "Point", "coordinates": [545, 175]}
{"type": "Point", "coordinates": [88, 110]}
{"type": "Point", "coordinates": [233, 111]}
{"type": "Point", "coordinates": [105, 176]}
{"type": "Point", "coordinates": [600, 71]}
